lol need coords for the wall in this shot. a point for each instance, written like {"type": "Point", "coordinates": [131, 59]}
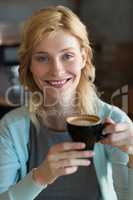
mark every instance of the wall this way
{"type": "Point", "coordinates": [109, 20]}
{"type": "Point", "coordinates": [111, 32]}
{"type": "Point", "coordinates": [18, 10]}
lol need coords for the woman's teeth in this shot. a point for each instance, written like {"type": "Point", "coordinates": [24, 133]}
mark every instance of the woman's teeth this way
{"type": "Point", "coordinates": [57, 83]}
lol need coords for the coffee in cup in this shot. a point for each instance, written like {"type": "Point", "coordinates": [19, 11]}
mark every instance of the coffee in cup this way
{"type": "Point", "coordinates": [85, 128]}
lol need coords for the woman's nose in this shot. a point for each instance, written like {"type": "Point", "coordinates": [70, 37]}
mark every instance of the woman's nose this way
{"type": "Point", "coordinates": [57, 68]}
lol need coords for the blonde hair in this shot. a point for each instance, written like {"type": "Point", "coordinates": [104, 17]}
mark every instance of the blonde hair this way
{"type": "Point", "coordinates": [50, 20]}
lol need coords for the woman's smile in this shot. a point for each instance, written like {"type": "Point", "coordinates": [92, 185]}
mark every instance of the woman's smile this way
{"type": "Point", "coordinates": [58, 83]}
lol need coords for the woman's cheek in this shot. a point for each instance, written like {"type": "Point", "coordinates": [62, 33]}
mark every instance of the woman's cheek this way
{"type": "Point", "coordinates": [75, 67]}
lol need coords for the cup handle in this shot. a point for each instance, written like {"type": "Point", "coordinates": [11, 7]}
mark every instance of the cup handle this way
{"type": "Point", "coordinates": [101, 131]}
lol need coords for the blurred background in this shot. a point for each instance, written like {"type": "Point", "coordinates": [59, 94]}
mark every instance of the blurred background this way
{"type": "Point", "coordinates": [109, 23]}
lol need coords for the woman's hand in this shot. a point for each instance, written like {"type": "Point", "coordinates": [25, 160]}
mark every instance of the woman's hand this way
{"type": "Point", "coordinates": [119, 135]}
{"type": "Point", "coordinates": [62, 159]}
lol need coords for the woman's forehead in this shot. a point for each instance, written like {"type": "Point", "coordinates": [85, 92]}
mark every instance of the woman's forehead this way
{"type": "Point", "coordinates": [59, 40]}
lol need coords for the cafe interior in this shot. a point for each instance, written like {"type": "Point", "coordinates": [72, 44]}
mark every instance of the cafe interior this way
{"type": "Point", "coordinates": [111, 34]}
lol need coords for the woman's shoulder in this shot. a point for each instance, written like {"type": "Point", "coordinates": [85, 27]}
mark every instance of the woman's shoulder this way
{"type": "Point", "coordinates": [14, 126]}
{"type": "Point", "coordinates": [112, 111]}
{"type": "Point", "coordinates": [16, 116]}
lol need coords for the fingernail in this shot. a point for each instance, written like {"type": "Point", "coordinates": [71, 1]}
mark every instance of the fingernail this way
{"type": "Point", "coordinates": [88, 162]}
{"type": "Point", "coordinates": [92, 153]}
{"type": "Point", "coordinates": [82, 145]}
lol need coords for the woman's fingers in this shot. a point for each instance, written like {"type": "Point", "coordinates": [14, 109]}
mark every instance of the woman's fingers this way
{"type": "Point", "coordinates": [115, 143]}
{"type": "Point", "coordinates": [66, 171]}
{"type": "Point", "coordinates": [63, 159]}
{"type": "Point", "coordinates": [116, 128]}
{"type": "Point", "coordinates": [71, 154]}
{"type": "Point", "coordinates": [118, 138]}
{"type": "Point", "coordinates": [118, 134]}
{"type": "Point", "coordinates": [68, 150]}
{"type": "Point", "coordinates": [66, 146]}
{"type": "Point", "coordinates": [71, 163]}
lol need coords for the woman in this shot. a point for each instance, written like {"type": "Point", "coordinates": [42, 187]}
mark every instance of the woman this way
{"type": "Point", "coordinates": [38, 160]}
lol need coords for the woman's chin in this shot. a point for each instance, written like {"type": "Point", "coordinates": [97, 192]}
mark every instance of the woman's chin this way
{"type": "Point", "coordinates": [56, 93]}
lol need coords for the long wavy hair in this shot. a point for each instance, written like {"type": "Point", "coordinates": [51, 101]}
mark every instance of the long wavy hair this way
{"type": "Point", "coordinates": [45, 22]}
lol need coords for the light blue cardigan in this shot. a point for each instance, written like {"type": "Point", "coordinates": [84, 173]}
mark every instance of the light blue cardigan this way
{"type": "Point", "coordinates": [115, 179]}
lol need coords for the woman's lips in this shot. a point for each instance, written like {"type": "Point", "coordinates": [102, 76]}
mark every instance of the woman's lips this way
{"type": "Point", "coordinates": [58, 83]}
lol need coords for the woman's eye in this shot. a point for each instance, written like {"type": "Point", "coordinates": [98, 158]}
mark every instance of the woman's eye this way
{"type": "Point", "coordinates": [68, 56]}
{"type": "Point", "coordinates": [43, 59]}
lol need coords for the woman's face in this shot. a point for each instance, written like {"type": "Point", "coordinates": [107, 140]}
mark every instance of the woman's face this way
{"type": "Point", "coordinates": [57, 62]}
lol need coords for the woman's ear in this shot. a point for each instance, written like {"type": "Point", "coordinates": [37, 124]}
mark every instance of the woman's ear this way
{"type": "Point", "coordinates": [84, 54]}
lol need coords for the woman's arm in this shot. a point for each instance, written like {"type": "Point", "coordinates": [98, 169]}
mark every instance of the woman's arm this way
{"type": "Point", "coordinates": [12, 168]}
{"type": "Point", "coordinates": [119, 141]}
{"type": "Point", "coordinates": [27, 188]}
{"type": "Point", "coordinates": [118, 160]}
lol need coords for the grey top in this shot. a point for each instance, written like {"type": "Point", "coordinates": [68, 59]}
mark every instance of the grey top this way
{"type": "Point", "coordinates": [81, 185]}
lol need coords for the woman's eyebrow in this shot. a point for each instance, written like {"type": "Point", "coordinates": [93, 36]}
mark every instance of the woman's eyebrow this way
{"type": "Point", "coordinates": [39, 52]}
{"type": "Point", "coordinates": [66, 49]}
{"type": "Point", "coordinates": [44, 52]}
